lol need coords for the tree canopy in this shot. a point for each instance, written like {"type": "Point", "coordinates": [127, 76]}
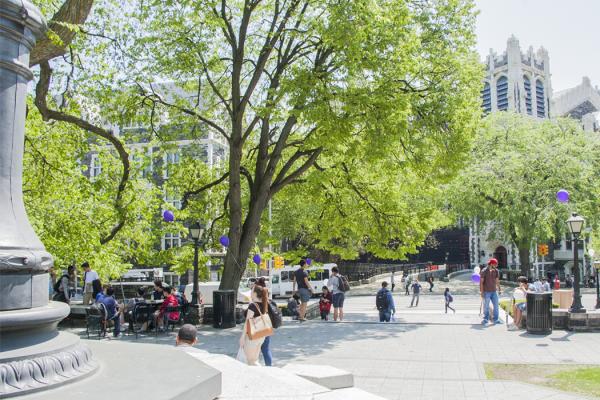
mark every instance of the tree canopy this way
{"type": "Point", "coordinates": [517, 165]}
{"type": "Point", "coordinates": [354, 111]}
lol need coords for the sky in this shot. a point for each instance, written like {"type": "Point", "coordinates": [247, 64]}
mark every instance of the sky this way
{"type": "Point", "coordinates": [568, 29]}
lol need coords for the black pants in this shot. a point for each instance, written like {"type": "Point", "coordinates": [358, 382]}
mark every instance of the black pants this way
{"type": "Point", "coordinates": [324, 315]}
{"type": "Point", "coordinates": [448, 306]}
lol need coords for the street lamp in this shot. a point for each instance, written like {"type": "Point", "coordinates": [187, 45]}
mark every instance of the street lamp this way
{"type": "Point", "coordinates": [592, 253]}
{"type": "Point", "coordinates": [575, 223]}
{"type": "Point", "coordinates": [196, 232]}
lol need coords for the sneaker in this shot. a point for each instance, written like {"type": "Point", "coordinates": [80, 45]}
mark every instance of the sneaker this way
{"type": "Point", "coordinates": [498, 322]}
{"type": "Point", "coordinates": [484, 322]}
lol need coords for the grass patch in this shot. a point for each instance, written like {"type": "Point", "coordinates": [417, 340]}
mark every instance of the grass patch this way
{"type": "Point", "coordinates": [570, 378]}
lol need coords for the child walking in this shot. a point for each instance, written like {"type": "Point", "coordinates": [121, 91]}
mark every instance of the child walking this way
{"type": "Point", "coordinates": [448, 299]}
{"type": "Point", "coordinates": [325, 303]}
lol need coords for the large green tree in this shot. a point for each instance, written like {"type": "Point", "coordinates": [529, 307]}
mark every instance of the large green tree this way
{"type": "Point", "coordinates": [296, 86]}
{"type": "Point", "coordinates": [517, 165]}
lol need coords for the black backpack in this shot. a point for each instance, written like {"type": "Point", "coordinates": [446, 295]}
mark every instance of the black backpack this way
{"type": "Point", "coordinates": [382, 301]}
{"type": "Point", "coordinates": [275, 315]}
{"type": "Point", "coordinates": [56, 286]}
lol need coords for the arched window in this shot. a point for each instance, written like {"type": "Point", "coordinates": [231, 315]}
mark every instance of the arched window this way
{"type": "Point", "coordinates": [527, 84]}
{"type": "Point", "coordinates": [502, 93]}
{"type": "Point", "coordinates": [540, 98]}
{"type": "Point", "coordinates": [486, 98]}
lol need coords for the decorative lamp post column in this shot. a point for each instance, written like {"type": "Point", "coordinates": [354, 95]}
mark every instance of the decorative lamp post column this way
{"type": "Point", "coordinates": [33, 354]}
{"type": "Point", "coordinates": [592, 253]}
{"type": "Point", "coordinates": [196, 233]}
{"type": "Point", "coordinates": [575, 223]}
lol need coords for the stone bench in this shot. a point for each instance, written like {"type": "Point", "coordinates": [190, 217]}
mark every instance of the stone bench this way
{"type": "Point", "coordinates": [324, 375]}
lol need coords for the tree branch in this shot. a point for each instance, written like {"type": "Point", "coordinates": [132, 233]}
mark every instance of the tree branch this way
{"type": "Point", "coordinates": [187, 195]}
{"type": "Point", "coordinates": [72, 12]}
{"type": "Point", "coordinates": [41, 93]}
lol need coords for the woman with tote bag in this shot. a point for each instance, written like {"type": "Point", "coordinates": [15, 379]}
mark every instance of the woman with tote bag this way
{"type": "Point", "coordinates": [256, 328]}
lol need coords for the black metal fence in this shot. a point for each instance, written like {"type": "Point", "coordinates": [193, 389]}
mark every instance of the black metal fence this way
{"type": "Point", "coordinates": [361, 271]}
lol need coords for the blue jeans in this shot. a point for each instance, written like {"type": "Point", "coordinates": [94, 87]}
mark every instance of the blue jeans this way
{"type": "Point", "coordinates": [266, 351]}
{"type": "Point", "coordinates": [493, 296]}
{"type": "Point", "coordinates": [384, 316]}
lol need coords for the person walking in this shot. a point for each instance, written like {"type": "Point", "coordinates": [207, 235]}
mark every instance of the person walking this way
{"type": "Point", "coordinates": [89, 276]}
{"type": "Point", "coordinates": [338, 295]}
{"type": "Point", "coordinates": [392, 284]}
{"type": "Point", "coordinates": [448, 299]}
{"type": "Point", "coordinates": [250, 348]}
{"type": "Point", "coordinates": [489, 288]}
{"type": "Point", "coordinates": [416, 292]}
{"type": "Point", "coordinates": [430, 281]}
{"type": "Point", "coordinates": [304, 289]}
{"type": "Point", "coordinates": [385, 303]}
{"type": "Point", "coordinates": [265, 348]}
{"type": "Point", "coordinates": [407, 286]}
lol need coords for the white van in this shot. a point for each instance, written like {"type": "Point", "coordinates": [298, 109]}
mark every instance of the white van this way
{"type": "Point", "coordinates": [282, 279]}
{"type": "Point", "coordinates": [206, 292]}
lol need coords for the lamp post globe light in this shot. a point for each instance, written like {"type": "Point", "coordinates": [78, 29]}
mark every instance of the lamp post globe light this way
{"type": "Point", "coordinates": [196, 233]}
{"type": "Point", "coordinates": [575, 224]}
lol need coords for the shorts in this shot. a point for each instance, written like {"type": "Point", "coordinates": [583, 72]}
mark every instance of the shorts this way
{"type": "Point", "coordinates": [338, 300]}
{"type": "Point", "coordinates": [304, 295]}
{"type": "Point", "coordinates": [521, 306]}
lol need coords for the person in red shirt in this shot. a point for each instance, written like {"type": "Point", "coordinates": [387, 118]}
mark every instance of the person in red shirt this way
{"type": "Point", "coordinates": [325, 303]}
{"type": "Point", "coordinates": [556, 282]}
{"type": "Point", "coordinates": [169, 301]}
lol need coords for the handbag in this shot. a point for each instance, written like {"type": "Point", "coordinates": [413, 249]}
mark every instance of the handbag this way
{"type": "Point", "coordinates": [259, 326]}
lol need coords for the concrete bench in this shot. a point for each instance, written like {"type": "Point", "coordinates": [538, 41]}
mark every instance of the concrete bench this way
{"type": "Point", "coordinates": [324, 375]}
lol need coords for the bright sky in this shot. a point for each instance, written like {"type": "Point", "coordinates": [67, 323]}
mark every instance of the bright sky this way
{"type": "Point", "coordinates": [568, 29]}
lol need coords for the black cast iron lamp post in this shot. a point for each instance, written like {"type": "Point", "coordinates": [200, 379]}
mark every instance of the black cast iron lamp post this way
{"type": "Point", "coordinates": [592, 253]}
{"type": "Point", "coordinates": [575, 223]}
{"type": "Point", "coordinates": [196, 232]}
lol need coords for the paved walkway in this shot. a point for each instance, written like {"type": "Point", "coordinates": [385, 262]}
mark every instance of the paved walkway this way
{"type": "Point", "coordinates": [428, 355]}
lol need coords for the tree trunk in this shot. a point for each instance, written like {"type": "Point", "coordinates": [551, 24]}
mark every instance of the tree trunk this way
{"type": "Point", "coordinates": [524, 249]}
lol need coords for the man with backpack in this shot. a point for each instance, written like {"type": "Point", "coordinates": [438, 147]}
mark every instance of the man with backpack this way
{"type": "Point", "coordinates": [61, 287]}
{"type": "Point", "coordinates": [385, 303]}
{"type": "Point", "coordinates": [338, 285]}
{"type": "Point", "coordinates": [416, 290]}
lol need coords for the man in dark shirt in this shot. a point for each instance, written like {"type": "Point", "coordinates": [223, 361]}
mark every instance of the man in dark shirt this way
{"type": "Point", "coordinates": [489, 282]}
{"type": "Point", "coordinates": [112, 310]}
{"type": "Point", "coordinates": [304, 288]}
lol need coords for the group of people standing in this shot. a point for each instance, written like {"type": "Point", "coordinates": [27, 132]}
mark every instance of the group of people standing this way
{"type": "Point", "coordinates": [63, 288]}
{"type": "Point", "coordinates": [332, 295]}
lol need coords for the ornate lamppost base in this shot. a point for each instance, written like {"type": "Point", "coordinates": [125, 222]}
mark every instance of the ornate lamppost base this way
{"type": "Point", "coordinates": [34, 356]}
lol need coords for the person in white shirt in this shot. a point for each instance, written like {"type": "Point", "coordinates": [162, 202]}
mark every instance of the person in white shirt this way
{"type": "Point", "coordinates": [519, 301]}
{"type": "Point", "coordinates": [89, 276]}
{"type": "Point", "coordinates": [545, 285]}
{"type": "Point", "coordinates": [537, 285]}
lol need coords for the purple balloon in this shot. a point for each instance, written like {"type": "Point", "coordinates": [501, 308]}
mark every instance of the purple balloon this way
{"type": "Point", "coordinates": [256, 259]}
{"type": "Point", "coordinates": [475, 278]}
{"type": "Point", "coordinates": [168, 216]}
{"type": "Point", "coordinates": [562, 196]}
{"type": "Point", "coordinates": [224, 240]}
{"type": "Point", "coordinates": [308, 261]}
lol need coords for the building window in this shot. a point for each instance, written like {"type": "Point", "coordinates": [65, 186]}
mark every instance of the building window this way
{"type": "Point", "coordinates": [486, 98]}
{"type": "Point", "coordinates": [95, 166]}
{"type": "Point", "coordinates": [170, 159]}
{"type": "Point", "coordinates": [171, 240]}
{"type": "Point", "coordinates": [173, 199]}
{"type": "Point", "coordinates": [527, 84]}
{"type": "Point", "coordinates": [502, 93]}
{"type": "Point", "coordinates": [540, 99]}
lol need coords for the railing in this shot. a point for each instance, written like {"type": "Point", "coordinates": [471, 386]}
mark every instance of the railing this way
{"type": "Point", "coordinates": [362, 271]}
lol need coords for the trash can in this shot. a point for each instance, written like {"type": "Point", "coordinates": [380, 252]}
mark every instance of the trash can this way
{"type": "Point", "coordinates": [224, 309]}
{"type": "Point", "coordinates": [539, 313]}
